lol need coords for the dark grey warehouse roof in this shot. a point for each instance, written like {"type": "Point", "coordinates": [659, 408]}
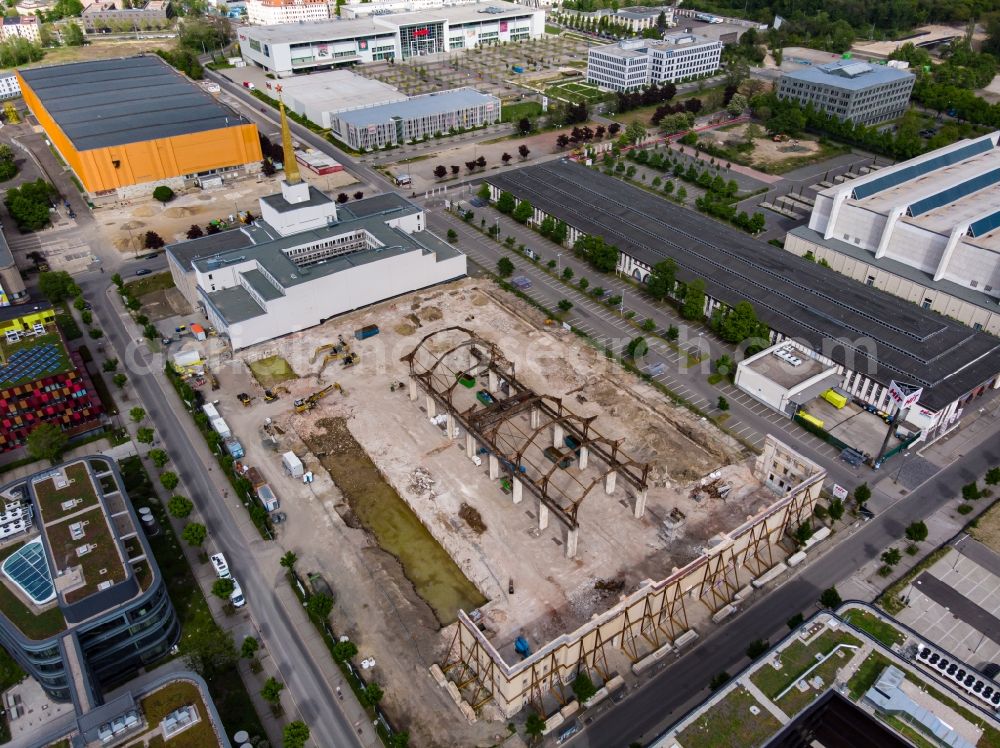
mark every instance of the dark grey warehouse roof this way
{"type": "Point", "coordinates": [886, 335]}
{"type": "Point", "coordinates": [112, 102]}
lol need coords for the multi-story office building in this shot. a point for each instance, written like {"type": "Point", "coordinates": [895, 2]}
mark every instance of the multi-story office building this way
{"type": "Point", "coordinates": [635, 63]}
{"type": "Point", "coordinates": [9, 87]}
{"type": "Point", "coordinates": [270, 12]}
{"type": "Point", "coordinates": [851, 90]}
{"type": "Point", "coordinates": [84, 605]}
{"type": "Point", "coordinates": [399, 122]}
{"type": "Point", "coordinates": [293, 48]}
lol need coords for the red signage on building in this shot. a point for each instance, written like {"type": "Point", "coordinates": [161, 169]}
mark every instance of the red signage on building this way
{"type": "Point", "coordinates": [420, 32]}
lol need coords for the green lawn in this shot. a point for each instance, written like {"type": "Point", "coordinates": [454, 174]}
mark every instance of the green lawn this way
{"type": "Point", "coordinates": [796, 658]}
{"type": "Point", "coordinates": [228, 692]}
{"type": "Point", "coordinates": [730, 724]}
{"type": "Point", "coordinates": [149, 283]}
{"type": "Point", "coordinates": [795, 700]}
{"type": "Point", "coordinates": [514, 112]}
{"type": "Point", "coordinates": [879, 630]}
{"type": "Point", "coordinates": [575, 92]}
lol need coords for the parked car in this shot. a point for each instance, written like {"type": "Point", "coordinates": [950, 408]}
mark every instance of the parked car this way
{"type": "Point", "coordinates": [237, 598]}
{"type": "Point", "coordinates": [221, 566]}
{"type": "Point", "coordinates": [278, 517]}
{"type": "Point", "coordinates": [150, 256]}
{"type": "Point", "coordinates": [866, 513]}
{"type": "Point", "coordinates": [144, 271]}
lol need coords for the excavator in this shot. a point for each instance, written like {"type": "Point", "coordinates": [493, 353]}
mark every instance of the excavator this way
{"type": "Point", "coordinates": [339, 347]}
{"type": "Point", "coordinates": [321, 349]}
{"type": "Point", "coordinates": [245, 399]}
{"type": "Point", "coordinates": [304, 404]}
{"type": "Point", "coordinates": [271, 395]}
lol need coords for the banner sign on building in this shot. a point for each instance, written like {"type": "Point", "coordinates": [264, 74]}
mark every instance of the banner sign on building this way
{"type": "Point", "coordinates": [903, 395]}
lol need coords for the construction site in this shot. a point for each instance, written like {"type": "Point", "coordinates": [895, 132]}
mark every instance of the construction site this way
{"type": "Point", "coordinates": [497, 492]}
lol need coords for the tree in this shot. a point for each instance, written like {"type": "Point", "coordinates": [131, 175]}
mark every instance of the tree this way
{"type": "Point", "coordinates": [757, 648]}
{"type": "Point", "coordinates": [249, 648]}
{"type": "Point", "coordinates": [662, 279]}
{"type": "Point", "coordinates": [861, 494]}
{"type": "Point", "coordinates": [565, 305]}
{"type": "Point", "coordinates": [271, 692]}
{"type": "Point", "coordinates": [180, 506]}
{"type": "Point", "coordinates": [534, 726]}
{"type": "Point", "coordinates": [344, 651]}
{"type": "Point", "coordinates": [891, 557]}
{"type": "Point", "coordinates": [971, 492]}
{"type": "Point", "coordinates": [152, 240]}
{"type": "Point", "coordinates": [110, 365]}
{"type": "Point", "coordinates": [119, 380]}
{"type": "Point", "coordinates": [803, 532]}
{"type": "Point", "coordinates": [73, 35]}
{"type": "Point", "coordinates": [194, 533]}
{"type": "Point", "coordinates": [583, 687]}
{"type": "Point", "coordinates": [993, 476]}
{"type": "Point", "coordinates": [295, 735]}
{"type": "Point", "coordinates": [524, 126]}
{"type": "Point", "coordinates": [682, 193]}
{"type": "Point", "coordinates": [320, 605]}
{"type": "Point", "coordinates": [836, 509]}
{"type": "Point", "coordinates": [506, 158]}
{"type": "Point", "coordinates": [358, 195]}
{"type": "Point", "coordinates": [601, 255]}
{"type": "Point", "coordinates": [169, 480]}
{"type": "Point", "coordinates": [523, 151]}
{"type": "Point", "coordinates": [399, 739]}
{"type": "Point", "coordinates": [57, 286]}
{"type": "Point", "coordinates": [163, 193]}
{"type": "Point", "coordinates": [483, 193]}
{"type": "Point", "coordinates": [452, 236]}
{"type": "Point", "coordinates": [562, 140]}
{"type": "Point", "coordinates": [209, 651]}
{"type": "Point", "coordinates": [267, 168]}
{"type": "Point", "coordinates": [481, 162]}
{"type": "Point", "coordinates": [456, 169]}
{"type": "Point", "coordinates": [567, 274]}
{"type": "Point", "coordinates": [505, 267]}
{"type": "Point", "coordinates": [143, 435]}
{"type": "Point", "coordinates": [523, 212]}
{"type": "Point", "coordinates": [916, 531]}
{"type": "Point", "coordinates": [46, 442]}
{"type": "Point", "coordinates": [718, 681]}
{"type": "Point", "coordinates": [506, 203]}
{"type": "Point", "coordinates": [288, 560]}
{"type": "Point", "coordinates": [223, 588]}
{"type": "Point", "coordinates": [440, 171]}
{"type": "Point", "coordinates": [137, 414]}
{"type": "Point", "coordinates": [693, 306]}
{"type": "Point", "coordinates": [738, 323]}
{"type": "Point", "coordinates": [635, 132]}
{"type": "Point", "coordinates": [159, 457]}
{"type": "Point", "coordinates": [371, 694]}
{"type": "Point", "coordinates": [830, 598]}
{"type": "Point", "coordinates": [737, 105]}
{"type": "Point", "coordinates": [722, 404]}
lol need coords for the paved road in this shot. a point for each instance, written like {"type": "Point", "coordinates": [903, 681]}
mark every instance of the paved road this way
{"type": "Point", "coordinates": [313, 694]}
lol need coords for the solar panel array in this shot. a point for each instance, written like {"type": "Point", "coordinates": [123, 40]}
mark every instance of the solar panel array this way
{"type": "Point", "coordinates": [30, 571]}
{"type": "Point", "coordinates": [954, 193]}
{"type": "Point", "coordinates": [985, 225]}
{"type": "Point", "coordinates": [29, 364]}
{"type": "Point", "coordinates": [908, 173]}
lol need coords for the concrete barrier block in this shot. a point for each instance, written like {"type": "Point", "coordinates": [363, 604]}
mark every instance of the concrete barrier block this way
{"type": "Point", "coordinates": [570, 709]}
{"type": "Point", "coordinates": [796, 558]}
{"type": "Point", "coordinates": [553, 722]}
{"type": "Point", "coordinates": [743, 593]}
{"type": "Point", "coordinates": [438, 675]}
{"type": "Point", "coordinates": [686, 638]}
{"type": "Point", "coordinates": [723, 614]}
{"type": "Point", "coordinates": [773, 573]}
{"type": "Point", "coordinates": [639, 665]}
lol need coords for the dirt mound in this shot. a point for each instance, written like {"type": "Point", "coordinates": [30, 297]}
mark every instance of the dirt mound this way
{"type": "Point", "coordinates": [132, 225]}
{"type": "Point", "coordinates": [404, 329]}
{"type": "Point", "coordinates": [472, 518]}
{"type": "Point", "coordinates": [431, 314]}
{"type": "Point", "coordinates": [145, 211]}
{"type": "Point", "coordinates": [181, 211]}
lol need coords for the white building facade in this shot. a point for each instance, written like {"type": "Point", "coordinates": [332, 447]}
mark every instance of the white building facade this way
{"type": "Point", "coordinates": [635, 63]}
{"type": "Point", "coordinates": [271, 12]}
{"type": "Point", "coordinates": [292, 48]}
{"type": "Point", "coordinates": [9, 87]}
{"type": "Point", "coordinates": [851, 90]}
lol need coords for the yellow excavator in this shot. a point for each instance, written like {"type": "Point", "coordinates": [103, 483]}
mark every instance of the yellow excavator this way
{"type": "Point", "coordinates": [304, 404]}
{"type": "Point", "coordinates": [271, 395]}
{"type": "Point", "coordinates": [321, 349]}
{"type": "Point", "coordinates": [245, 399]}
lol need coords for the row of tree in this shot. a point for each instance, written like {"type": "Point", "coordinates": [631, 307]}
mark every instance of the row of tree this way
{"type": "Point", "coordinates": [29, 204]}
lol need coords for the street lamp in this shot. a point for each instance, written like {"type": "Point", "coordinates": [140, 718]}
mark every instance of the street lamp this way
{"type": "Point", "coordinates": [559, 262]}
{"type": "Point", "coordinates": [902, 462]}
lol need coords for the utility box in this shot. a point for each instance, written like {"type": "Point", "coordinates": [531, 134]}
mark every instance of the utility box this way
{"type": "Point", "coordinates": [367, 331]}
{"type": "Point", "coordinates": [267, 498]}
{"type": "Point", "coordinates": [292, 464]}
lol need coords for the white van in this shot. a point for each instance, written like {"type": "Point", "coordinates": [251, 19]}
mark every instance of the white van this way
{"type": "Point", "coordinates": [220, 566]}
{"type": "Point", "coordinates": [237, 598]}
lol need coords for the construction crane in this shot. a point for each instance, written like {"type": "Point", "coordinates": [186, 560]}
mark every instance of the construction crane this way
{"type": "Point", "coordinates": [308, 403]}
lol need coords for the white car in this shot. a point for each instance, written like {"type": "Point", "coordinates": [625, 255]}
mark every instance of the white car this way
{"type": "Point", "coordinates": [236, 598]}
{"type": "Point", "coordinates": [220, 566]}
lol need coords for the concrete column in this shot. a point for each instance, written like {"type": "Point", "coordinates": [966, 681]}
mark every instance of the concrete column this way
{"type": "Point", "coordinates": [543, 516]}
{"type": "Point", "coordinates": [572, 537]}
{"type": "Point", "coordinates": [517, 490]}
{"type": "Point", "coordinates": [413, 388]}
{"type": "Point", "coordinates": [470, 446]}
{"type": "Point", "coordinates": [450, 425]}
{"type": "Point", "coordinates": [584, 457]}
{"type": "Point", "coordinates": [536, 418]}
{"type": "Point", "coordinates": [431, 407]}
{"type": "Point", "coordinates": [890, 224]}
{"type": "Point", "coordinates": [494, 467]}
{"type": "Point", "coordinates": [957, 234]}
{"type": "Point", "coordinates": [557, 436]}
{"type": "Point", "coordinates": [640, 503]}
{"type": "Point", "coordinates": [609, 483]}
{"type": "Point", "coordinates": [494, 381]}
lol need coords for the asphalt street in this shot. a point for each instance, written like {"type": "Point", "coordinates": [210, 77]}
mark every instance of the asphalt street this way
{"type": "Point", "coordinates": [312, 693]}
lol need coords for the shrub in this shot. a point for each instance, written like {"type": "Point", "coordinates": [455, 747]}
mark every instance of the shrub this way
{"type": "Point", "coordinates": [223, 588]}
{"type": "Point", "coordinates": [169, 480]}
{"type": "Point", "coordinates": [194, 533]}
{"type": "Point", "coordinates": [964, 508]}
{"type": "Point", "coordinates": [830, 598]}
{"type": "Point", "coordinates": [180, 506]}
{"type": "Point", "coordinates": [163, 193]}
